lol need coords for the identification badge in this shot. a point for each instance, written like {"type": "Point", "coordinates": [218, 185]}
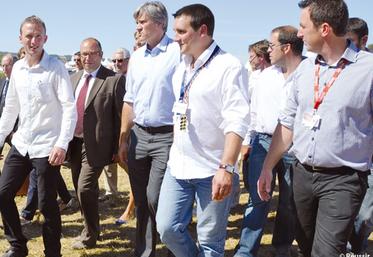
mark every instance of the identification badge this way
{"type": "Point", "coordinates": [311, 120]}
{"type": "Point", "coordinates": [179, 108]}
{"type": "Point", "coordinates": [181, 122]}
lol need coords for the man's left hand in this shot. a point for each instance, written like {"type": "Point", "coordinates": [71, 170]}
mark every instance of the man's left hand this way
{"type": "Point", "coordinates": [221, 185]}
{"type": "Point", "coordinates": [57, 156]}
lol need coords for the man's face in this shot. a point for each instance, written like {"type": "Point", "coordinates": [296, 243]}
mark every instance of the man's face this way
{"type": "Point", "coordinates": [254, 60]}
{"type": "Point", "coordinates": [90, 55]}
{"type": "Point", "coordinates": [148, 30]}
{"type": "Point", "coordinates": [33, 38]}
{"type": "Point", "coordinates": [120, 63]}
{"type": "Point", "coordinates": [78, 62]}
{"type": "Point", "coordinates": [275, 50]}
{"type": "Point", "coordinates": [7, 65]}
{"type": "Point", "coordinates": [310, 34]}
{"type": "Point", "coordinates": [185, 35]}
{"type": "Point", "coordinates": [356, 40]}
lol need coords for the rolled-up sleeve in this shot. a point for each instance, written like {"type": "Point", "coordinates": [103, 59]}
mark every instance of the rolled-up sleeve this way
{"type": "Point", "coordinates": [235, 102]}
{"type": "Point", "coordinates": [287, 114]}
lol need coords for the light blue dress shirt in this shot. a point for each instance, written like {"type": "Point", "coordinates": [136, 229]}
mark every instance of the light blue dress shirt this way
{"type": "Point", "coordinates": [149, 83]}
{"type": "Point", "coordinates": [345, 134]}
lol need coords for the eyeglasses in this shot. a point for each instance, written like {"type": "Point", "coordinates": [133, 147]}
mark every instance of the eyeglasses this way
{"type": "Point", "coordinates": [118, 60]}
{"type": "Point", "coordinates": [271, 45]}
{"type": "Point", "coordinates": [85, 54]}
{"type": "Point", "coordinates": [252, 58]}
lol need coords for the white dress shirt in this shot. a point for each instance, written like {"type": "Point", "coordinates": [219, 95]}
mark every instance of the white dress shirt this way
{"type": "Point", "coordinates": [253, 77]}
{"type": "Point", "coordinates": [218, 104]}
{"type": "Point", "coordinates": [268, 99]}
{"type": "Point", "coordinates": [41, 96]}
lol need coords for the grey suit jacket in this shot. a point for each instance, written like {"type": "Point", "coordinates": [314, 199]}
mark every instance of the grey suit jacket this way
{"type": "Point", "coordinates": [102, 114]}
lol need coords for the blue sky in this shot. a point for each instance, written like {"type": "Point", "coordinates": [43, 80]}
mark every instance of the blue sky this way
{"type": "Point", "coordinates": [237, 22]}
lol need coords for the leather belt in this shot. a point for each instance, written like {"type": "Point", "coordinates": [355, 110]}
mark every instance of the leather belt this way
{"type": "Point", "coordinates": [326, 169]}
{"type": "Point", "coordinates": [157, 130]}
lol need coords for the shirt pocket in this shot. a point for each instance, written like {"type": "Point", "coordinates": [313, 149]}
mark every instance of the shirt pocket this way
{"type": "Point", "coordinates": [42, 92]}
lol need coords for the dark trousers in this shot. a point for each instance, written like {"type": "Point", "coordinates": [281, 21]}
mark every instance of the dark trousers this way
{"type": "Point", "coordinates": [32, 194]}
{"type": "Point", "coordinates": [327, 202]}
{"type": "Point", "coordinates": [147, 162]}
{"type": "Point", "coordinates": [16, 168]}
{"type": "Point", "coordinates": [85, 180]}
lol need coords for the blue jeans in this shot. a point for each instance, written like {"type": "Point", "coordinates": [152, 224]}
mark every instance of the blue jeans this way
{"type": "Point", "coordinates": [174, 214]}
{"type": "Point", "coordinates": [255, 216]}
{"type": "Point", "coordinates": [363, 225]}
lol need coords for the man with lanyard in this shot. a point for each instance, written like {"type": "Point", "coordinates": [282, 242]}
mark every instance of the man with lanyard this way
{"type": "Point", "coordinates": [357, 32]}
{"type": "Point", "coordinates": [328, 118]}
{"type": "Point", "coordinates": [147, 117]}
{"type": "Point", "coordinates": [211, 118]}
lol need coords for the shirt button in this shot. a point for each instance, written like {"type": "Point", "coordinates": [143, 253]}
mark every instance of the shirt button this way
{"type": "Point", "coordinates": [313, 139]}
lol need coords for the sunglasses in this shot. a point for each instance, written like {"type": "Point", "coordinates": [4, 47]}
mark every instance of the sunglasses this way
{"type": "Point", "coordinates": [118, 60]}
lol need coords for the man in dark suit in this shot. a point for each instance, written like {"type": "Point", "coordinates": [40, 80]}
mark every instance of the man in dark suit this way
{"type": "Point", "coordinates": [7, 65]}
{"type": "Point", "coordinates": [98, 93]}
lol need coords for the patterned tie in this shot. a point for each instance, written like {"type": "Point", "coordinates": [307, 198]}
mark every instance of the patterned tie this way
{"type": "Point", "coordinates": [80, 104]}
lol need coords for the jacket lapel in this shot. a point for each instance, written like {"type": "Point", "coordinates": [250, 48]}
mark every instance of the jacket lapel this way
{"type": "Point", "coordinates": [75, 80]}
{"type": "Point", "coordinates": [99, 80]}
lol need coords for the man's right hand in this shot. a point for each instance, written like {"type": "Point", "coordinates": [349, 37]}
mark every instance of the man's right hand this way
{"type": "Point", "coordinates": [264, 185]}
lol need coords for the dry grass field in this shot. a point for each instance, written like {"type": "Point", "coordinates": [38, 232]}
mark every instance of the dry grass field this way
{"type": "Point", "coordinates": [118, 240]}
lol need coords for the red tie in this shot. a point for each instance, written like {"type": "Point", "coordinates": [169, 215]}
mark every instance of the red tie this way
{"type": "Point", "coordinates": [80, 104]}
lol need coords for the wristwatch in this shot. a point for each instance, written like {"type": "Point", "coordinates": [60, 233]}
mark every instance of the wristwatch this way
{"type": "Point", "coordinates": [227, 167]}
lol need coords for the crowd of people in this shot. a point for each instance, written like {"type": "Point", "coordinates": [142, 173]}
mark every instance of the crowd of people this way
{"type": "Point", "coordinates": [177, 114]}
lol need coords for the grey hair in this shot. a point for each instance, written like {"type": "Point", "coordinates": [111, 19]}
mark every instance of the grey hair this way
{"type": "Point", "coordinates": [9, 56]}
{"type": "Point", "coordinates": [155, 10]}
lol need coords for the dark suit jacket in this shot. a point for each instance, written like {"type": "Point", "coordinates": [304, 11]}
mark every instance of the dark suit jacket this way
{"type": "Point", "coordinates": [8, 138]}
{"type": "Point", "coordinates": [102, 116]}
{"type": "Point", "coordinates": [2, 84]}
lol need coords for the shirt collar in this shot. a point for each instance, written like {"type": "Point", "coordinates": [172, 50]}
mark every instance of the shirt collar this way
{"type": "Point", "coordinates": [202, 58]}
{"type": "Point", "coordinates": [93, 74]}
{"type": "Point", "coordinates": [350, 55]}
{"type": "Point", "coordinates": [161, 47]}
{"type": "Point", "coordinates": [44, 62]}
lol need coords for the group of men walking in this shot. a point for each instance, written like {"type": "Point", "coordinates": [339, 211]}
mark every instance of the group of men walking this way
{"type": "Point", "coordinates": [178, 120]}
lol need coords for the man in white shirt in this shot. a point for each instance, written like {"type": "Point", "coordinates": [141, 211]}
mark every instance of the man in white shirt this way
{"type": "Point", "coordinates": [210, 120]}
{"type": "Point", "coordinates": [269, 96]}
{"type": "Point", "coordinates": [40, 94]}
{"type": "Point", "coordinates": [259, 60]}
{"type": "Point", "coordinates": [147, 130]}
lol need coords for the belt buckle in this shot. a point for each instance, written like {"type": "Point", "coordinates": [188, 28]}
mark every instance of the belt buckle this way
{"type": "Point", "coordinates": [315, 168]}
